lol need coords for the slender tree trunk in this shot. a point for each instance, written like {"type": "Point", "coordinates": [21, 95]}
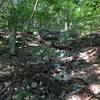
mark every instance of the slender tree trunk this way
{"type": "Point", "coordinates": [13, 42]}
{"type": "Point", "coordinates": [68, 20]}
{"type": "Point", "coordinates": [27, 26]}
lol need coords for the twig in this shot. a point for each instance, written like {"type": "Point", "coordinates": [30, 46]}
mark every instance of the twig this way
{"type": "Point", "coordinates": [5, 89]}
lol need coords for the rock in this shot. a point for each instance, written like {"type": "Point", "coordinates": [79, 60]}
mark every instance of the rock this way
{"type": "Point", "coordinates": [34, 85]}
{"type": "Point", "coordinates": [27, 87]}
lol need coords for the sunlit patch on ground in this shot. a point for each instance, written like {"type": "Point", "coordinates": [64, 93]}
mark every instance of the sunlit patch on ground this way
{"type": "Point", "coordinates": [83, 94]}
{"type": "Point", "coordinates": [95, 88]}
{"type": "Point", "coordinates": [66, 59]}
{"type": "Point", "coordinates": [32, 44]}
{"type": "Point", "coordinates": [87, 93]}
{"type": "Point", "coordinates": [18, 34]}
{"type": "Point", "coordinates": [95, 71]}
{"type": "Point", "coordinates": [74, 97]}
{"type": "Point", "coordinates": [79, 73]}
{"type": "Point", "coordinates": [82, 97]}
{"type": "Point", "coordinates": [88, 55]}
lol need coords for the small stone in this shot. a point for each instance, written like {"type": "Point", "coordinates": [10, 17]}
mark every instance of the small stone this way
{"type": "Point", "coordinates": [34, 84]}
{"type": "Point", "coordinates": [67, 77]}
{"type": "Point", "coordinates": [27, 87]}
{"type": "Point", "coordinates": [40, 83]}
{"type": "Point", "coordinates": [22, 88]}
{"type": "Point", "coordinates": [14, 97]}
{"type": "Point", "coordinates": [15, 89]}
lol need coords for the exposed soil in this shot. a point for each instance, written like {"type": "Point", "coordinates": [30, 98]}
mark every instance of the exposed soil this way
{"type": "Point", "coordinates": [38, 76]}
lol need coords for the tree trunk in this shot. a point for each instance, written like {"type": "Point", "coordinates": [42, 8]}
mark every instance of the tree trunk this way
{"type": "Point", "coordinates": [13, 42]}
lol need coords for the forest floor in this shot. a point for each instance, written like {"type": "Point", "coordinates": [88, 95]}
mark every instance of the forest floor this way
{"type": "Point", "coordinates": [32, 78]}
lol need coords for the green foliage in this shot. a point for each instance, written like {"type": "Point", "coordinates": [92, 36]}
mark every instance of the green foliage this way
{"type": "Point", "coordinates": [46, 52]}
{"type": "Point", "coordinates": [80, 14]}
{"type": "Point", "coordinates": [16, 14]}
{"type": "Point", "coordinates": [21, 95]}
{"type": "Point", "coordinates": [75, 17]}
